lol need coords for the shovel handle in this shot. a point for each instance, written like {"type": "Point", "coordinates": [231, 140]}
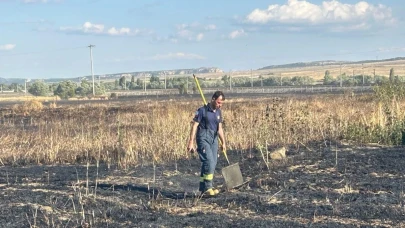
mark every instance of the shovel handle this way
{"type": "Point", "coordinates": [199, 89]}
{"type": "Point", "coordinates": [226, 156]}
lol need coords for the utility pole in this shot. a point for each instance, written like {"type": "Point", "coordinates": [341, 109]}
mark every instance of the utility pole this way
{"type": "Point", "coordinates": [25, 89]}
{"type": "Point", "coordinates": [144, 81]}
{"type": "Point", "coordinates": [261, 78]}
{"type": "Point", "coordinates": [251, 77]}
{"type": "Point", "coordinates": [91, 61]}
{"type": "Point", "coordinates": [362, 67]}
{"type": "Point", "coordinates": [341, 82]}
{"type": "Point", "coordinates": [230, 81]}
{"type": "Point", "coordinates": [164, 72]}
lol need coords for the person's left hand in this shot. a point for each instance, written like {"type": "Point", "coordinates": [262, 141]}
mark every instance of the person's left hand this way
{"type": "Point", "coordinates": [223, 147]}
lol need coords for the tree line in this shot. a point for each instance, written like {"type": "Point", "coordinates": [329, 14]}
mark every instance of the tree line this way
{"type": "Point", "coordinates": [67, 89]}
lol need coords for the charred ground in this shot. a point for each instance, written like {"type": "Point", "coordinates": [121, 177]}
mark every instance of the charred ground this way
{"type": "Point", "coordinates": [305, 190]}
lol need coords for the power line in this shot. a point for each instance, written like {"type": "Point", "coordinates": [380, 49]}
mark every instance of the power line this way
{"type": "Point", "coordinates": [39, 52]}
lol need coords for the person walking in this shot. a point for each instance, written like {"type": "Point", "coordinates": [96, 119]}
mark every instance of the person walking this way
{"type": "Point", "coordinates": [206, 128]}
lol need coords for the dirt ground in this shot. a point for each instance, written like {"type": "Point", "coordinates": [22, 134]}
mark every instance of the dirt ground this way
{"type": "Point", "coordinates": [307, 189]}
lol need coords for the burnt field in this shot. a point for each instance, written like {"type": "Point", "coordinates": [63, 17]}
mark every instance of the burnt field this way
{"type": "Point", "coordinates": [306, 190]}
{"type": "Point", "coordinates": [124, 164]}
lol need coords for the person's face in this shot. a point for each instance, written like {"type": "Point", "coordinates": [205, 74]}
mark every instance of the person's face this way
{"type": "Point", "coordinates": [218, 102]}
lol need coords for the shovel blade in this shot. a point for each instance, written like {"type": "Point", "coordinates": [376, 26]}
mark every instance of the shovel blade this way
{"type": "Point", "coordinates": [233, 176]}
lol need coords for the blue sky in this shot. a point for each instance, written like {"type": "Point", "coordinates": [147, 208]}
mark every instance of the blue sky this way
{"type": "Point", "coordinates": [49, 38]}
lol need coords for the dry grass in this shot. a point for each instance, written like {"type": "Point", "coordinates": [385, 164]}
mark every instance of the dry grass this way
{"type": "Point", "coordinates": [158, 131]}
{"type": "Point", "coordinates": [310, 186]}
{"type": "Point", "coordinates": [27, 107]}
{"type": "Point", "coordinates": [13, 97]}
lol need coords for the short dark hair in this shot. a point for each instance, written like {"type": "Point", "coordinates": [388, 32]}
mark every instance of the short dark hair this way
{"type": "Point", "coordinates": [218, 94]}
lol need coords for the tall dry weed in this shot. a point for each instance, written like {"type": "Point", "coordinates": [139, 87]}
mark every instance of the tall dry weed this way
{"type": "Point", "coordinates": [28, 107]}
{"type": "Point", "coordinates": [156, 132]}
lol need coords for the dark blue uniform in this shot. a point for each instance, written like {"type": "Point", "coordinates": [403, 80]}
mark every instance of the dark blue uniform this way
{"type": "Point", "coordinates": [207, 143]}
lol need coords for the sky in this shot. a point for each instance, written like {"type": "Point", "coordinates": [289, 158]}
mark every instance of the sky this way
{"type": "Point", "coordinates": [50, 38]}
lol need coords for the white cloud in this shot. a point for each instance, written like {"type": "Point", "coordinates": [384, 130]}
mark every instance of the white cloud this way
{"type": "Point", "coordinates": [210, 27]}
{"type": "Point", "coordinates": [92, 28]}
{"type": "Point", "coordinates": [121, 31]}
{"type": "Point", "coordinates": [189, 32]}
{"type": "Point", "coordinates": [196, 26]}
{"type": "Point", "coordinates": [185, 34]}
{"type": "Point", "coordinates": [188, 26]}
{"type": "Point", "coordinates": [200, 36]}
{"type": "Point", "coordinates": [35, 1]}
{"type": "Point", "coordinates": [177, 55]}
{"type": "Point", "coordinates": [7, 47]}
{"type": "Point", "coordinates": [353, 27]}
{"type": "Point", "coordinates": [392, 49]}
{"type": "Point", "coordinates": [358, 16]}
{"type": "Point", "coordinates": [237, 33]}
{"type": "Point", "coordinates": [100, 29]}
{"type": "Point", "coordinates": [40, 1]}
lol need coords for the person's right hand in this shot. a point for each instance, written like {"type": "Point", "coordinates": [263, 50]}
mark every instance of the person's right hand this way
{"type": "Point", "coordinates": [190, 147]}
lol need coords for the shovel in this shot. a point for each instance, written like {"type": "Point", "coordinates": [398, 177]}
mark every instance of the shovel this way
{"type": "Point", "coordinates": [231, 173]}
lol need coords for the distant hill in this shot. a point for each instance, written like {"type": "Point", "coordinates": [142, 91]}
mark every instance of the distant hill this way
{"type": "Point", "coordinates": [173, 73]}
{"type": "Point", "coordinates": [326, 63]}
{"type": "Point", "coordinates": [176, 72]}
{"type": "Point", "coordinates": [11, 80]}
{"type": "Point", "coordinates": [200, 70]}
